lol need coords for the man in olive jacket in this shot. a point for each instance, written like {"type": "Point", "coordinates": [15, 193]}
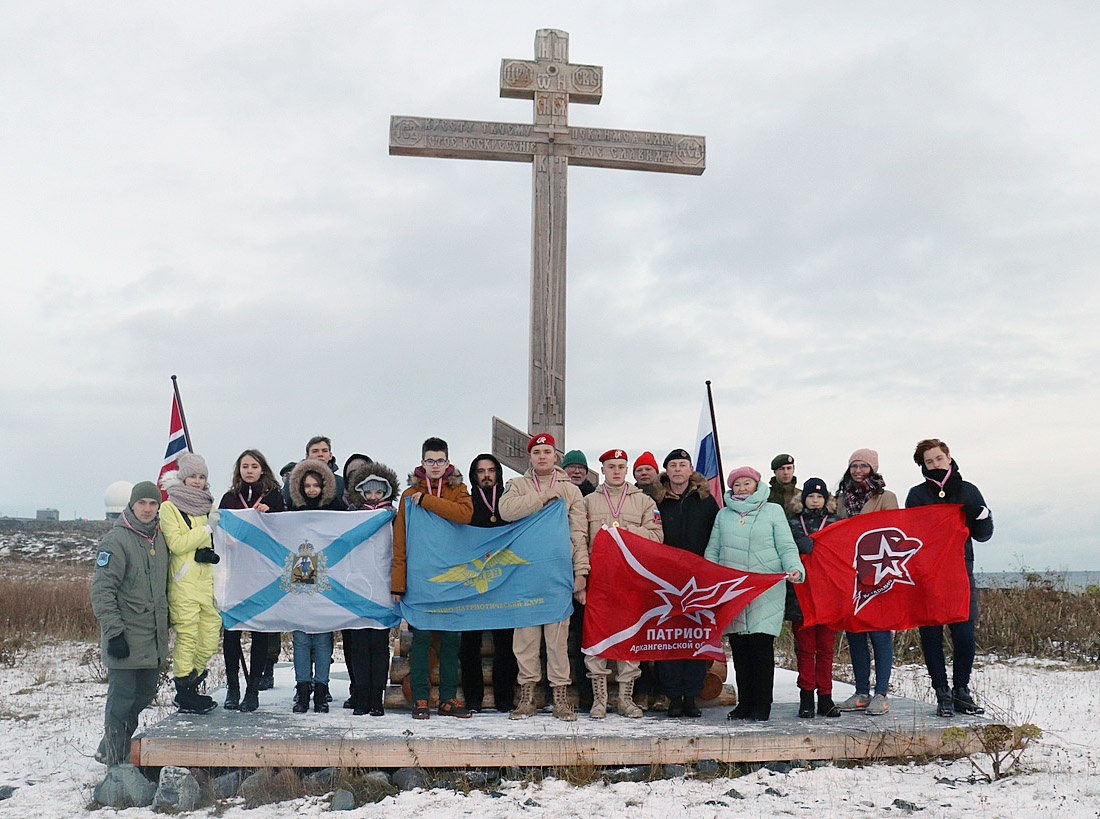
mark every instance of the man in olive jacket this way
{"type": "Point", "coordinates": [130, 600]}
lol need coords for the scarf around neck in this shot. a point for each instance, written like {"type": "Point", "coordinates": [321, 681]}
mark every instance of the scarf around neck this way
{"type": "Point", "coordinates": [191, 500]}
{"type": "Point", "coordinates": [146, 530]}
{"type": "Point", "coordinates": [859, 493]}
{"type": "Point", "coordinates": [935, 478]}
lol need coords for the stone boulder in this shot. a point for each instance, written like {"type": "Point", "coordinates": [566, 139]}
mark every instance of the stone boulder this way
{"type": "Point", "coordinates": [124, 786]}
{"type": "Point", "coordinates": [177, 790]}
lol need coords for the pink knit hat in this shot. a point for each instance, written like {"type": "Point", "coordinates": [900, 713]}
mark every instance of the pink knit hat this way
{"type": "Point", "coordinates": [867, 456]}
{"type": "Point", "coordinates": [742, 472]}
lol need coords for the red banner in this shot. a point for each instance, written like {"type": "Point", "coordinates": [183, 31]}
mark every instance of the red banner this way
{"type": "Point", "coordinates": [888, 571]}
{"type": "Point", "coordinates": [648, 601]}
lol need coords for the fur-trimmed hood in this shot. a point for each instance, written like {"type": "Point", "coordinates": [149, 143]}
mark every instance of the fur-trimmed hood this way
{"type": "Point", "coordinates": [298, 474]}
{"type": "Point", "coordinates": [361, 473]}
{"type": "Point", "coordinates": [696, 482]}
{"type": "Point", "coordinates": [170, 479]}
{"type": "Point", "coordinates": [796, 507]}
{"type": "Point", "coordinates": [452, 476]}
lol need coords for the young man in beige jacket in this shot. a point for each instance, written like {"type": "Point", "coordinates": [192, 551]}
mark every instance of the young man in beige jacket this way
{"type": "Point", "coordinates": [543, 483]}
{"type": "Point", "coordinates": [617, 504]}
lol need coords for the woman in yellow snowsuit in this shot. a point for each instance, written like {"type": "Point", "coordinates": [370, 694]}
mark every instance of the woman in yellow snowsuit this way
{"type": "Point", "coordinates": [188, 520]}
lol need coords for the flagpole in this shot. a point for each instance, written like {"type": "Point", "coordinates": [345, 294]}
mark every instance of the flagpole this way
{"type": "Point", "coordinates": [187, 435]}
{"type": "Point", "coordinates": [713, 426]}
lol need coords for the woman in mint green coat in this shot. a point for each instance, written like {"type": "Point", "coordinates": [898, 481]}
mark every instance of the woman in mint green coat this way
{"type": "Point", "coordinates": [753, 535]}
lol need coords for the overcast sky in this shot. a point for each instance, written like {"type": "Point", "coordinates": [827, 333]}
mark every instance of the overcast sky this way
{"type": "Point", "coordinates": [896, 237]}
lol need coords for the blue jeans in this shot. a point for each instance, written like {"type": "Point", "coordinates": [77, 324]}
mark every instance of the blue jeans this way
{"type": "Point", "coordinates": [312, 657]}
{"type": "Point", "coordinates": [860, 645]}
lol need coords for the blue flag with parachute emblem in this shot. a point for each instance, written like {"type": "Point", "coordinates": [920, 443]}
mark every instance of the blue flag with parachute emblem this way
{"type": "Point", "coordinates": [464, 577]}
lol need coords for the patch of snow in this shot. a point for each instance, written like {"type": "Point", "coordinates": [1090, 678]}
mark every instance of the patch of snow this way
{"type": "Point", "coordinates": [51, 711]}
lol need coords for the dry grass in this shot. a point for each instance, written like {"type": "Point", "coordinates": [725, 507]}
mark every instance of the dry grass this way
{"type": "Point", "coordinates": [1039, 619]}
{"type": "Point", "coordinates": [37, 606]}
{"type": "Point", "coordinates": [40, 602]}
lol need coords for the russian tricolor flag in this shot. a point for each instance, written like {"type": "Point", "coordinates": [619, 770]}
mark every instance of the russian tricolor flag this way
{"type": "Point", "coordinates": [706, 453]}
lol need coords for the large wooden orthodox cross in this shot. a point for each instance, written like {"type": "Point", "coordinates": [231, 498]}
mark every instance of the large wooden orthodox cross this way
{"type": "Point", "coordinates": [551, 146]}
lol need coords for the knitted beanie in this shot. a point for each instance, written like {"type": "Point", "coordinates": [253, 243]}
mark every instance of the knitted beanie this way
{"type": "Point", "coordinates": [144, 489]}
{"type": "Point", "coordinates": [867, 456]}
{"type": "Point", "coordinates": [574, 457]}
{"type": "Point", "coordinates": [814, 486]}
{"type": "Point", "coordinates": [191, 464]}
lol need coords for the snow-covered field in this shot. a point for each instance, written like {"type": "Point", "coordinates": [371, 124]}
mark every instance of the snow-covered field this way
{"type": "Point", "coordinates": [51, 710]}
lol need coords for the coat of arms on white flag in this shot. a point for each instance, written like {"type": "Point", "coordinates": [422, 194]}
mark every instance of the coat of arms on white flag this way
{"type": "Point", "coordinates": [305, 571]}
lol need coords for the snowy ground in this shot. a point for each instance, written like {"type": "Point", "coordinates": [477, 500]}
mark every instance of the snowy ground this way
{"type": "Point", "coordinates": [51, 709]}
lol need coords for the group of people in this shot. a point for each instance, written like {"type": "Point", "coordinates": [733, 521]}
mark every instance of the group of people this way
{"type": "Point", "coordinates": [154, 568]}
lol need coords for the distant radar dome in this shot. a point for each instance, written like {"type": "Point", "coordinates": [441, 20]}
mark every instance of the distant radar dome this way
{"type": "Point", "coordinates": [116, 498]}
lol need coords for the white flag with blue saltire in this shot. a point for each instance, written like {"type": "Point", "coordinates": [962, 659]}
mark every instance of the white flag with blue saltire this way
{"type": "Point", "coordinates": [305, 571]}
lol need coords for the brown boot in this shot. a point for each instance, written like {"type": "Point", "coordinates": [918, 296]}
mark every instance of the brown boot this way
{"type": "Point", "coordinates": [627, 706]}
{"type": "Point", "coordinates": [563, 709]}
{"type": "Point", "coordinates": [525, 707]}
{"type": "Point", "coordinates": [599, 697]}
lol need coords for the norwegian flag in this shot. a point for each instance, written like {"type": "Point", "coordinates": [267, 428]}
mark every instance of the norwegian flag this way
{"type": "Point", "coordinates": [648, 601]}
{"type": "Point", "coordinates": [178, 439]}
{"type": "Point", "coordinates": [888, 571]}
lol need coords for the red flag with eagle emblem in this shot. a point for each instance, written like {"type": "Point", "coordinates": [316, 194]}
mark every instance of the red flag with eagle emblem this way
{"type": "Point", "coordinates": [888, 571]}
{"type": "Point", "coordinates": [648, 601]}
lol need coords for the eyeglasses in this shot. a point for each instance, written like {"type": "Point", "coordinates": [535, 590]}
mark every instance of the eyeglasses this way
{"type": "Point", "coordinates": [434, 461]}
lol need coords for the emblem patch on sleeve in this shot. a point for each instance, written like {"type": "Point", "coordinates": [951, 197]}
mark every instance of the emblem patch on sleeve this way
{"type": "Point", "coordinates": [103, 558]}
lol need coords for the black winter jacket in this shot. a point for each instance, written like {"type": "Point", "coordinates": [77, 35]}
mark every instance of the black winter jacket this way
{"type": "Point", "coordinates": [687, 520]}
{"type": "Point", "coordinates": [956, 490]}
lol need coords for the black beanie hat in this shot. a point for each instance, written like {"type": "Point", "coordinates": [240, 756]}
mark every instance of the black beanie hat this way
{"type": "Point", "coordinates": [814, 486]}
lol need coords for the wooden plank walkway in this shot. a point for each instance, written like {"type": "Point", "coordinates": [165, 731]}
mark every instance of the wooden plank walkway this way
{"type": "Point", "coordinates": [274, 737]}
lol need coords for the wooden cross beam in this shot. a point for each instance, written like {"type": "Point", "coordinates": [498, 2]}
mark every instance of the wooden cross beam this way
{"type": "Point", "coordinates": [552, 82]}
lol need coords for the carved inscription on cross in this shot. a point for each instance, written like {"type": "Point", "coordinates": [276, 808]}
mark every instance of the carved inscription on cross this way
{"type": "Point", "coordinates": [552, 82]}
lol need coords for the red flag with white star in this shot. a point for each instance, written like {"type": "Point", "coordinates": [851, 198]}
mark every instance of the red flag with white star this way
{"type": "Point", "coordinates": [648, 601]}
{"type": "Point", "coordinates": [888, 571]}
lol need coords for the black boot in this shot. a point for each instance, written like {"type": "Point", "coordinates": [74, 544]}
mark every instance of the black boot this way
{"type": "Point", "coordinates": [321, 698]}
{"type": "Point", "coordinates": [378, 703]}
{"type": "Point", "coordinates": [267, 678]}
{"type": "Point", "coordinates": [691, 709]}
{"type": "Point", "coordinates": [805, 704]}
{"type": "Point", "coordinates": [251, 699]}
{"type": "Point", "coordinates": [826, 707]}
{"type": "Point", "coordinates": [741, 711]}
{"type": "Point", "coordinates": [964, 701]}
{"type": "Point", "coordinates": [351, 700]}
{"type": "Point", "coordinates": [945, 703]}
{"type": "Point", "coordinates": [189, 700]}
{"type": "Point", "coordinates": [675, 707]}
{"type": "Point", "coordinates": [301, 697]}
{"type": "Point", "coordinates": [232, 693]}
